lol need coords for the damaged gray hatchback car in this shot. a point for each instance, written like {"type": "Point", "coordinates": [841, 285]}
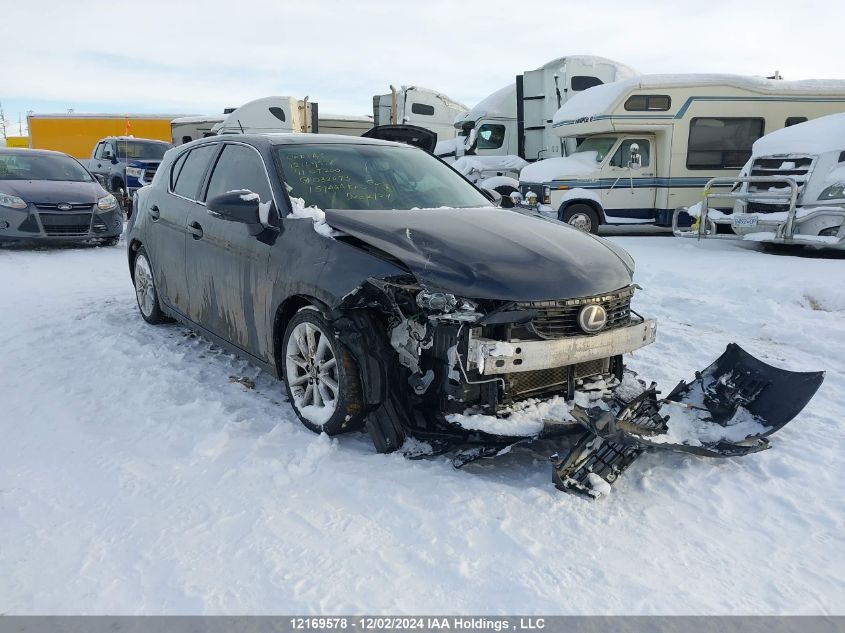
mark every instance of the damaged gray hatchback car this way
{"type": "Point", "coordinates": [387, 291]}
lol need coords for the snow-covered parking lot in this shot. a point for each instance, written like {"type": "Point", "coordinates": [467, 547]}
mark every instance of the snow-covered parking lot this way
{"type": "Point", "coordinates": [138, 475]}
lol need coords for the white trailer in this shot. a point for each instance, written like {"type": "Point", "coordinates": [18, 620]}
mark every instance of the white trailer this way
{"type": "Point", "coordinates": [648, 145]}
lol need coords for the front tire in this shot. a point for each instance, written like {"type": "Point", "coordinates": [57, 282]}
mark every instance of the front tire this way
{"type": "Point", "coordinates": [321, 376]}
{"type": "Point", "coordinates": [581, 216]}
{"type": "Point", "coordinates": [145, 289]}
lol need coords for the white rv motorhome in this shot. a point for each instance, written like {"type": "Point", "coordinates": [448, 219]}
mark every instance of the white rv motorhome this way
{"type": "Point", "coordinates": [418, 106]}
{"type": "Point", "coordinates": [648, 145]}
{"type": "Point", "coordinates": [792, 190]}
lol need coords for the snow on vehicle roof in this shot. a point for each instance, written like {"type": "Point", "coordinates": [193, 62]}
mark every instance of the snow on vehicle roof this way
{"type": "Point", "coordinates": [825, 134]}
{"type": "Point", "coordinates": [447, 100]}
{"type": "Point", "coordinates": [202, 118]}
{"type": "Point", "coordinates": [599, 99]}
{"type": "Point", "coordinates": [501, 103]}
{"type": "Point", "coordinates": [591, 60]}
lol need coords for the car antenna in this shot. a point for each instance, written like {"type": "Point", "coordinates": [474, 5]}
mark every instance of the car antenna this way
{"type": "Point", "coordinates": [240, 126]}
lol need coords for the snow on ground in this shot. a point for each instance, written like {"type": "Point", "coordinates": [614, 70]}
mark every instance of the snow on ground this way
{"type": "Point", "coordinates": [137, 475]}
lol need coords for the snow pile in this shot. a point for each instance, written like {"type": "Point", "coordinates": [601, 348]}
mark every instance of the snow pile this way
{"type": "Point", "coordinates": [579, 193]}
{"type": "Point", "coordinates": [523, 419]}
{"type": "Point", "coordinates": [693, 427]}
{"type": "Point", "coordinates": [467, 165]}
{"type": "Point", "coordinates": [317, 215]}
{"type": "Point", "coordinates": [564, 167]}
{"type": "Point", "coordinates": [825, 134]}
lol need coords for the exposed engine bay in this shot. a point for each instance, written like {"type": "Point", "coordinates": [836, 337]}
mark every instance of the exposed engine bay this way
{"type": "Point", "coordinates": [451, 356]}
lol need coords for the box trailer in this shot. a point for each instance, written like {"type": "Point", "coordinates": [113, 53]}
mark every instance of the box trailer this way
{"type": "Point", "coordinates": [649, 144]}
{"type": "Point", "coordinates": [77, 134]}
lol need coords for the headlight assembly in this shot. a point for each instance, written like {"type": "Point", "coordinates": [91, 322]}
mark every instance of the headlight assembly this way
{"type": "Point", "coordinates": [135, 172]}
{"type": "Point", "coordinates": [11, 202]}
{"type": "Point", "coordinates": [107, 203]}
{"type": "Point", "coordinates": [834, 192]}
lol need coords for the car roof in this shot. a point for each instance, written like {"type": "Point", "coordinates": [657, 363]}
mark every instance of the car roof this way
{"type": "Point", "coordinates": [296, 138]}
{"type": "Point", "coordinates": [30, 152]}
{"type": "Point", "coordinates": [133, 138]}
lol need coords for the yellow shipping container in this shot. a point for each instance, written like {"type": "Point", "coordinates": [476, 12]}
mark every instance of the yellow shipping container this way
{"type": "Point", "coordinates": [17, 141]}
{"type": "Point", "coordinates": [77, 134]}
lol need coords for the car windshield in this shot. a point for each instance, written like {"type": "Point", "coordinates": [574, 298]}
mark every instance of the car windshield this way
{"type": "Point", "coordinates": [359, 176]}
{"type": "Point", "coordinates": [135, 149]}
{"type": "Point", "coordinates": [601, 145]}
{"type": "Point", "coordinates": [41, 167]}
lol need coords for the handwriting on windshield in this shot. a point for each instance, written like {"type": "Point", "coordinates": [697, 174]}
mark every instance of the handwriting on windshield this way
{"type": "Point", "coordinates": [320, 174]}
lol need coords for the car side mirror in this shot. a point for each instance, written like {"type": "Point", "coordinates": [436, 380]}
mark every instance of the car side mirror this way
{"type": "Point", "coordinates": [108, 156]}
{"type": "Point", "coordinates": [238, 206]}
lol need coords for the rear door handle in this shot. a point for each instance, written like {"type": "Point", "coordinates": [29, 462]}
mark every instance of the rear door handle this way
{"type": "Point", "coordinates": [155, 214]}
{"type": "Point", "coordinates": [195, 229]}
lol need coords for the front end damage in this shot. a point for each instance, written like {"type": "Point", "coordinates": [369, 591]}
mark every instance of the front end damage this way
{"type": "Point", "coordinates": [475, 378]}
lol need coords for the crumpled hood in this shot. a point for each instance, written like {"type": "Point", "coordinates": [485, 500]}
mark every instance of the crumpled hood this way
{"type": "Point", "coordinates": [490, 253]}
{"type": "Point", "coordinates": [53, 191]}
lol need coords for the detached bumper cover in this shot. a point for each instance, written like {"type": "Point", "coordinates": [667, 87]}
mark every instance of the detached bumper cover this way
{"type": "Point", "coordinates": [736, 383]}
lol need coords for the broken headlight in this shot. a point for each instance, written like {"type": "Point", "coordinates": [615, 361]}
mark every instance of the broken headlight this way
{"type": "Point", "coordinates": [437, 301]}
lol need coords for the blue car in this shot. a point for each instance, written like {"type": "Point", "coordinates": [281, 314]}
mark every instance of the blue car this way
{"type": "Point", "coordinates": [50, 196]}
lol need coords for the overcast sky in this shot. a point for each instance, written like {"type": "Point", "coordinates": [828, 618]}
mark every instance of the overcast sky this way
{"type": "Point", "coordinates": [199, 57]}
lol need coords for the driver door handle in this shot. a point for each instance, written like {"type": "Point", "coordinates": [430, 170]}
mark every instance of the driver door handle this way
{"type": "Point", "coordinates": [155, 214]}
{"type": "Point", "coordinates": [195, 229]}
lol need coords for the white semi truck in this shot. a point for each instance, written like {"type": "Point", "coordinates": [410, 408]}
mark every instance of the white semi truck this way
{"type": "Point", "coordinates": [513, 126]}
{"type": "Point", "coordinates": [410, 105]}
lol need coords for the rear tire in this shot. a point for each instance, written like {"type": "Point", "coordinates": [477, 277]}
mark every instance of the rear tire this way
{"type": "Point", "coordinates": [322, 379]}
{"type": "Point", "coordinates": [145, 289]}
{"type": "Point", "coordinates": [581, 216]}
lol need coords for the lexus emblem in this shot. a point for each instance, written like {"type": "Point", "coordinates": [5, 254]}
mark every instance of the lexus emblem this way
{"type": "Point", "coordinates": [592, 318]}
{"type": "Point", "coordinates": [64, 206]}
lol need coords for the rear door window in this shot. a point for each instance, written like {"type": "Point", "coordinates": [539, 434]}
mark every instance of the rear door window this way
{"type": "Point", "coordinates": [192, 172]}
{"type": "Point", "coordinates": [239, 167]}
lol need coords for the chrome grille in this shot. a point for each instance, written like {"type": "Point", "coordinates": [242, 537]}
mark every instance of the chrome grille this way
{"type": "Point", "coordinates": [74, 206]}
{"type": "Point", "coordinates": [559, 319]}
{"type": "Point", "coordinates": [797, 167]}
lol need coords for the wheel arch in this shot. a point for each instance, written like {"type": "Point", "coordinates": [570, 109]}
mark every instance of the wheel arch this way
{"type": "Point", "coordinates": [132, 252]}
{"type": "Point", "coordinates": [593, 204]}
{"type": "Point", "coordinates": [282, 316]}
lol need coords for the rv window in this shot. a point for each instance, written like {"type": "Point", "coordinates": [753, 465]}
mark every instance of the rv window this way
{"type": "Point", "coordinates": [643, 103]}
{"type": "Point", "coordinates": [600, 145]}
{"type": "Point", "coordinates": [794, 120]}
{"type": "Point", "coordinates": [193, 169]}
{"type": "Point", "coordinates": [582, 82]}
{"type": "Point", "coordinates": [623, 155]}
{"type": "Point", "coordinates": [722, 143]}
{"type": "Point", "coordinates": [422, 108]}
{"type": "Point", "coordinates": [491, 136]}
